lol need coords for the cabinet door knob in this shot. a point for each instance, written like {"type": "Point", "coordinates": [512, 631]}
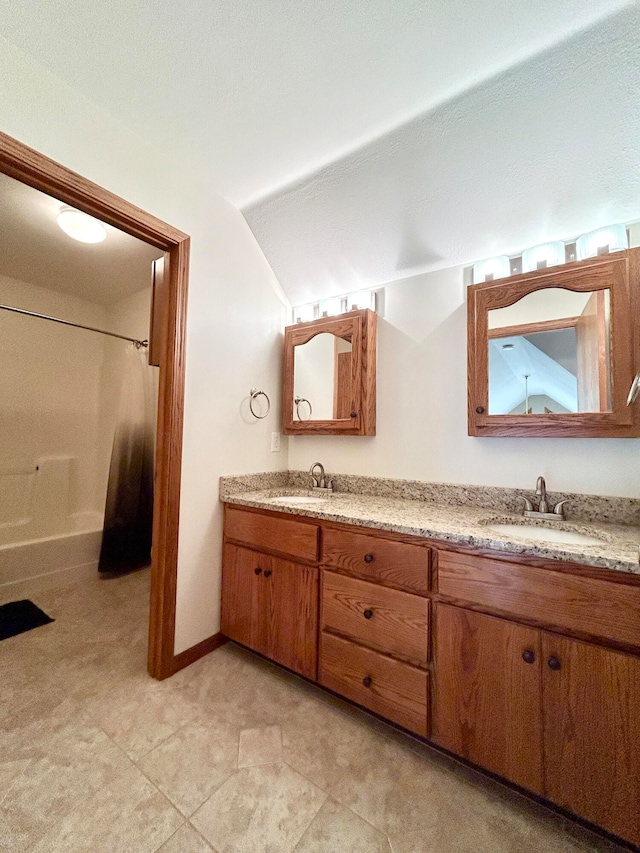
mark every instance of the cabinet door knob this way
{"type": "Point", "coordinates": [258, 571]}
{"type": "Point", "coordinates": [480, 410]}
{"type": "Point", "coordinates": [354, 414]}
{"type": "Point", "coordinates": [554, 664]}
{"type": "Point", "coordinates": [367, 681]}
{"type": "Point", "coordinates": [368, 558]}
{"type": "Point", "coordinates": [368, 614]}
{"type": "Point", "coordinates": [529, 656]}
{"type": "Point", "coordinates": [268, 573]}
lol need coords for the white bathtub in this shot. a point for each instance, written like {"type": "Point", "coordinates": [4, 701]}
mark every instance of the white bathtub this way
{"type": "Point", "coordinates": [79, 546]}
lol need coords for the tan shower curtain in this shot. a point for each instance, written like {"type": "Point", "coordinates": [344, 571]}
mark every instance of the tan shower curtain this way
{"type": "Point", "coordinates": [126, 538]}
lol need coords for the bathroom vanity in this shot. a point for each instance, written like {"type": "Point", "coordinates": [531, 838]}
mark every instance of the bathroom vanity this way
{"type": "Point", "coordinates": [516, 656]}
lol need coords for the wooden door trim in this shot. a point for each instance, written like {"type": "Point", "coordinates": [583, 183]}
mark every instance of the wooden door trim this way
{"type": "Point", "coordinates": [40, 172]}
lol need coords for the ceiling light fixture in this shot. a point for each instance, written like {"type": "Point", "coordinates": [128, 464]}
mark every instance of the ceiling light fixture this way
{"type": "Point", "coordinates": [80, 226]}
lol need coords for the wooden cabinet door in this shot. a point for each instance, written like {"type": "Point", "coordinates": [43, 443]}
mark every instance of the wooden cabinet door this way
{"type": "Point", "coordinates": [487, 704]}
{"type": "Point", "coordinates": [591, 699]}
{"type": "Point", "coordinates": [243, 596]}
{"type": "Point", "coordinates": [291, 616]}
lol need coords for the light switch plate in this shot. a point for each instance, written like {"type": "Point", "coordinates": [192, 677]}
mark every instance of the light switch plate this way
{"type": "Point", "coordinates": [275, 442]}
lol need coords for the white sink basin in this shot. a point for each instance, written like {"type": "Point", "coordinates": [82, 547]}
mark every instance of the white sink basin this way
{"type": "Point", "coordinates": [544, 534]}
{"type": "Point", "coordinates": [298, 499]}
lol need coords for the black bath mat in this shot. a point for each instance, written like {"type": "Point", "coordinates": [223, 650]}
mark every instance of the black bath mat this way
{"type": "Point", "coordinates": [20, 616]}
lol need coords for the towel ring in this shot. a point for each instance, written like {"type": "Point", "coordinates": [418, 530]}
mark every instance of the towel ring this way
{"type": "Point", "coordinates": [297, 401]}
{"type": "Point", "coordinates": [253, 396]}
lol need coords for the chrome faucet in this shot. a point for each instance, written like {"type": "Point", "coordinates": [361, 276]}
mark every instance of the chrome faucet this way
{"type": "Point", "coordinates": [544, 509]}
{"type": "Point", "coordinates": [541, 491]}
{"type": "Point", "coordinates": [320, 482]}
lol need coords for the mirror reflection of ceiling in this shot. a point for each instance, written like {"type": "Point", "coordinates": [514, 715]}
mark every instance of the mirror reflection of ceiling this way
{"type": "Point", "coordinates": [545, 377]}
{"type": "Point", "coordinates": [34, 249]}
{"type": "Point", "coordinates": [370, 140]}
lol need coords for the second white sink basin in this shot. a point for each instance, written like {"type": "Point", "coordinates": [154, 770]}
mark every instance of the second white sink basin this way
{"type": "Point", "coordinates": [544, 534]}
{"type": "Point", "coordinates": [298, 499]}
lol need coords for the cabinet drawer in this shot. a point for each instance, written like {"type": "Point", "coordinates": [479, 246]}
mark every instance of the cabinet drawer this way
{"type": "Point", "coordinates": [385, 619]}
{"type": "Point", "coordinates": [397, 564]}
{"type": "Point", "coordinates": [599, 608]}
{"type": "Point", "coordinates": [283, 535]}
{"type": "Point", "coordinates": [396, 690]}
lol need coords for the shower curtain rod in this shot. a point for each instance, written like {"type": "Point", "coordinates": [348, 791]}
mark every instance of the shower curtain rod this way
{"type": "Point", "coordinates": [75, 325]}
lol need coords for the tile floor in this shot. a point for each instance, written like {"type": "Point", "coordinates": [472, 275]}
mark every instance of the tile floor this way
{"type": "Point", "coordinates": [231, 755]}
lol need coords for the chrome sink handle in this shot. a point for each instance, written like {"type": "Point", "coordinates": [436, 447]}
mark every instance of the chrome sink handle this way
{"type": "Point", "coordinates": [559, 508]}
{"type": "Point", "coordinates": [528, 506]}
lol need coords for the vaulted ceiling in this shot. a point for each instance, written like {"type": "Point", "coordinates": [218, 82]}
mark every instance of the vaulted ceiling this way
{"type": "Point", "coordinates": [372, 138]}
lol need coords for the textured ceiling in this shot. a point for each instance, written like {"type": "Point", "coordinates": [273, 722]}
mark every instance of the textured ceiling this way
{"type": "Point", "coordinates": [548, 149]}
{"type": "Point", "coordinates": [34, 249]}
{"type": "Point", "coordinates": [256, 93]}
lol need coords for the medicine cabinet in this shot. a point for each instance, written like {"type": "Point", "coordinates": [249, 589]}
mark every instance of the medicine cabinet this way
{"type": "Point", "coordinates": [329, 385]}
{"type": "Point", "coordinates": [554, 352]}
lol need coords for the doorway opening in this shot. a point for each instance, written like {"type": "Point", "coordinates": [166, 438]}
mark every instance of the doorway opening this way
{"type": "Point", "coordinates": [167, 341]}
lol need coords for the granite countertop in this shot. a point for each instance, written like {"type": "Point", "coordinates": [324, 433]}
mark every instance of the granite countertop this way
{"type": "Point", "coordinates": [466, 525]}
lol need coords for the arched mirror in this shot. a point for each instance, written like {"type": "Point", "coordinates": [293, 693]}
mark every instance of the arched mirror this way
{"type": "Point", "coordinates": [553, 352]}
{"type": "Point", "coordinates": [329, 376]}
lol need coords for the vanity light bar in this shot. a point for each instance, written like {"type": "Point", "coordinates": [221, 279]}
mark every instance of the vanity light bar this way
{"type": "Point", "coordinates": [335, 305]}
{"type": "Point", "coordinates": [612, 238]}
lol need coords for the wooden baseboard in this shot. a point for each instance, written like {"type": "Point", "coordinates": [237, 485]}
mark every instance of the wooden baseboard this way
{"type": "Point", "coordinates": [189, 656]}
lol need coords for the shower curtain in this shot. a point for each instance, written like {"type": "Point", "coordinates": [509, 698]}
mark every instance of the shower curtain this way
{"type": "Point", "coordinates": [126, 538]}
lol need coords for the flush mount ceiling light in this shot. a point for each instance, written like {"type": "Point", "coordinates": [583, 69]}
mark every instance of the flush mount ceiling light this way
{"type": "Point", "coordinates": [612, 238]}
{"type": "Point", "coordinates": [545, 255]}
{"type": "Point", "coordinates": [80, 226]}
{"type": "Point", "coordinates": [499, 267]}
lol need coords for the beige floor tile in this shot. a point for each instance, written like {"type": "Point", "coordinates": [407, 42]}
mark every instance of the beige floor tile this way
{"type": "Point", "coordinates": [128, 815]}
{"type": "Point", "coordinates": [477, 837]}
{"type": "Point", "coordinates": [246, 691]}
{"type": "Point", "coordinates": [75, 695]}
{"type": "Point", "coordinates": [259, 810]}
{"type": "Point", "coordinates": [12, 840]}
{"type": "Point", "coordinates": [191, 764]}
{"type": "Point", "coordinates": [141, 713]}
{"type": "Point", "coordinates": [393, 788]}
{"type": "Point", "coordinates": [186, 840]}
{"type": "Point", "coordinates": [260, 746]}
{"type": "Point", "coordinates": [10, 773]}
{"type": "Point", "coordinates": [69, 762]}
{"type": "Point", "coordinates": [336, 828]}
{"type": "Point", "coordinates": [381, 779]}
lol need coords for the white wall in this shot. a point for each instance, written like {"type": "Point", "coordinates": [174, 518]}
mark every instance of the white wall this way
{"type": "Point", "coordinates": [235, 314]}
{"type": "Point", "coordinates": [49, 411]}
{"type": "Point", "coordinates": [422, 412]}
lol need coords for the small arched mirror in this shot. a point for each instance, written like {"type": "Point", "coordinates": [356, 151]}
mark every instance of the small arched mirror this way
{"type": "Point", "coordinates": [329, 376]}
{"type": "Point", "coordinates": [553, 352]}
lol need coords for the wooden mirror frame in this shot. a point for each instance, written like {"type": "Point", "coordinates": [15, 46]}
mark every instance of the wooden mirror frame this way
{"type": "Point", "coordinates": [359, 327]}
{"type": "Point", "coordinates": [620, 273]}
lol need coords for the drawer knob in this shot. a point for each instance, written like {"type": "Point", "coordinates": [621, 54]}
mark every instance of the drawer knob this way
{"type": "Point", "coordinates": [367, 681]}
{"type": "Point", "coordinates": [529, 656]}
{"type": "Point", "coordinates": [268, 573]}
{"type": "Point", "coordinates": [368, 558]}
{"type": "Point", "coordinates": [368, 614]}
{"type": "Point", "coordinates": [258, 571]}
{"type": "Point", "coordinates": [554, 664]}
